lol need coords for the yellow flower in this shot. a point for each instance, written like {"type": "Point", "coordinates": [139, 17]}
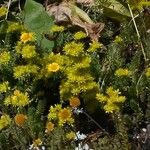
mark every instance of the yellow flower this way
{"type": "Point", "coordinates": [94, 46]}
{"type": "Point", "coordinates": [25, 37]}
{"type": "Point", "coordinates": [74, 102]}
{"type": "Point", "coordinates": [57, 28]}
{"type": "Point", "coordinates": [4, 58]}
{"type": "Point", "coordinates": [20, 119]}
{"type": "Point", "coordinates": [37, 142]}
{"type": "Point", "coordinates": [147, 72]}
{"type": "Point", "coordinates": [71, 135]}
{"type": "Point", "coordinates": [79, 35]}
{"type": "Point", "coordinates": [17, 99]}
{"type": "Point", "coordinates": [49, 127]}
{"type": "Point", "coordinates": [122, 72]}
{"type": "Point", "coordinates": [4, 121]}
{"type": "Point", "coordinates": [3, 11]}
{"type": "Point", "coordinates": [53, 67]}
{"type": "Point", "coordinates": [73, 48]}
{"type": "Point", "coordinates": [28, 51]}
{"type": "Point", "coordinates": [118, 40]}
{"type": "Point", "coordinates": [65, 116]}
{"type": "Point", "coordinates": [4, 87]}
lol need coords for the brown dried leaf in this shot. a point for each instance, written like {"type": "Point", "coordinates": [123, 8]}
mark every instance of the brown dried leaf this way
{"type": "Point", "coordinates": [64, 13]}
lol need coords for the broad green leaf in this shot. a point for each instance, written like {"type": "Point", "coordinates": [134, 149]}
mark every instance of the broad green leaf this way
{"type": "Point", "coordinates": [38, 21]}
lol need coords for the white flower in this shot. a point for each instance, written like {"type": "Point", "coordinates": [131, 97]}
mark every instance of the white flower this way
{"type": "Point", "coordinates": [77, 111]}
{"type": "Point", "coordinates": [80, 136]}
{"type": "Point", "coordinates": [83, 147]}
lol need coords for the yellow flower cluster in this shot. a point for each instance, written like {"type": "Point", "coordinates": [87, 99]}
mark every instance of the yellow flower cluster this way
{"type": "Point", "coordinates": [79, 35]}
{"type": "Point", "coordinates": [54, 111]}
{"type": "Point", "coordinates": [94, 46]}
{"type": "Point", "coordinates": [62, 115]}
{"type": "Point", "coordinates": [3, 11]}
{"type": "Point", "coordinates": [111, 99]}
{"type": "Point", "coordinates": [4, 121]}
{"type": "Point", "coordinates": [4, 57]}
{"type": "Point", "coordinates": [25, 70]}
{"type": "Point", "coordinates": [73, 48]}
{"type": "Point", "coordinates": [118, 40]}
{"type": "Point", "coordinates": [4, 87]}
{"type": "Point", "coordinates": [122, 72]}
{"type": "Point", "coordinates": [56, 28]}
{"type": "Point", "coordinates": [25, 37]}
{"type": "Point", "coordinates": [147, 72]}
{"type": "Point", "coordinates": [18, 99]}
{"type": "Point", "coordinates": [14, 26]}
{"type": "Point", "coordinates": [71, 135]}
{"type": "Point", "coordinates": [77, 81]}
{"type": "Point", "coordinates": [28, 51]}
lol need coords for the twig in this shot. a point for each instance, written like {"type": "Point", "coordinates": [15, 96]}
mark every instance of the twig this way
{"type": "Point", "coordinates": [138, 34]}
{"type": "Point", "coordinates": [96, 123]}
{"type": "Point", "coordinates": [8, 6]}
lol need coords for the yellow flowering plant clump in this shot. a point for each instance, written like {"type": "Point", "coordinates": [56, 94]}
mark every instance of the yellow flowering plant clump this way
{"type": "Point", "coordinates": [111, 99]}
{"type": "Point", "coordinates": [5, 120]}
{"type": "Point", "coordinates": [64, 74]}
{"type": "Point", "coordinates": [17, 99]}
